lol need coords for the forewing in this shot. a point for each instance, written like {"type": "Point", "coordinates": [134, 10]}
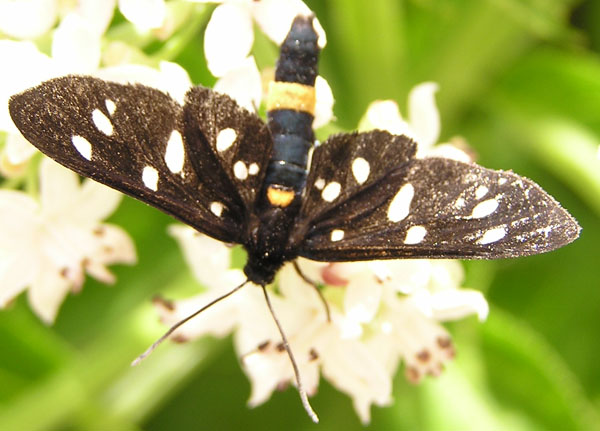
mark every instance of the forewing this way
{"type": "Point", "coordinates": [130, 137]}
{"type": "Point", "coordinates": [439, 208]}
{"type": "Point", "coordinates": [238, 142]}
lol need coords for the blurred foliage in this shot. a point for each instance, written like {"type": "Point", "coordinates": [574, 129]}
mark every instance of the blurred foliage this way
{"type": "Point", "coordinates": [520, 81]}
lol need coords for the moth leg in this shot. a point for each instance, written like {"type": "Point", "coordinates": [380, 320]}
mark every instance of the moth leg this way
{"type": "Point", "coordinates": [315, 285]}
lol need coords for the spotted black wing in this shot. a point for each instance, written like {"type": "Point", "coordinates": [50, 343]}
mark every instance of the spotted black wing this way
{"type": "Point", "coordinates": [140, 141]}
{"type": "Point", "coordinates": [421, 208]}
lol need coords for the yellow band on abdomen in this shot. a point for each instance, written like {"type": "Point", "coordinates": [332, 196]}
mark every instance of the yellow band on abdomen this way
{"type": "Point", "coordinates": [291, 95]}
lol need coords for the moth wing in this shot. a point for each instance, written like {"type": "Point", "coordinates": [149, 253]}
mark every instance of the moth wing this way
{"type": "Point", "coordinates": [428, 208]}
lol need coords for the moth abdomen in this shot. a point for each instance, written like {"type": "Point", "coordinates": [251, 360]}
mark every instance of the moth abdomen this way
{"type": "Point", "coordinates": [290, 107]}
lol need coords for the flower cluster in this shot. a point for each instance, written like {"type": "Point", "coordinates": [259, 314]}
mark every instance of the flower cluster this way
{"type": "Point", "coordinates": [51, 240]}
{"type": "Point", "coordinates": [381, 313]}
{"type": "Point", "coordinates": [364, 319]}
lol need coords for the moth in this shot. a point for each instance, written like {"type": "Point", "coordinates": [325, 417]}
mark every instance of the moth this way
{"type": "Point", "coordinates": [267, 186]}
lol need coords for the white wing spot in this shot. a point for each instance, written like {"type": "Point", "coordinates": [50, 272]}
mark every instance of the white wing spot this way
{"type": "Point", "coordinates": [331, 191]}
{"type": "Point", "coordinates": [225, 139]}
{"type": "Point", "coordinates": [150, 178]}
{"type": "Point", "coordinates": [175, 152]}
{"type": "Point", "coordinates": [253, 169]}
{"type": "Point", "coordinates": [492, 235]}
{"type": "Point", "coordinates": [240, 170]}
{"type": "Point", "coordinates": [459, 203]}
{"type": "Point", "coordinates": [110, 106]}
{"type": "Point", "coordinates": [83, 146]}
{"type": "Point", "coordinates": [216, 208]}
{"type": "Point", "coordinates": [400, 205]}
{"type": "Point", "coordinates": [320, 183]}
{"type": "Point", "coordinates": [481, 192]}
{"type": "Point", "coordinates": [485, 208]}
{"type": "Point", "coordinates": [502, 180]}
{"type": "Point", "coordinates": [337, 235]}
{"type": "Point", "coordinates": [415, 234]}
{"type": "Point", "coordinates": [102, 122]}
{"type": "Point", "coordinates": [360, 170]}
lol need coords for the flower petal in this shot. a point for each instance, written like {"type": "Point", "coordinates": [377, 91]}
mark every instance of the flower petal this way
{"type": "Point", "coordinates": [351, 368]}
{"type": "Point", "coordinates": [15, 274]}
{"type": "Point", "coordinates": [363, 296]}
{"type": "Point", "coordinates": [94, 202]}
{"type": "Point", "coordinates": [27, 19]}
{"type": "Point", "coordinates": [75, 46]}
{"type": "Point", "coordinates": [385, 115]}
{"type": "Point", "coordinates": [243, 84]}
{"type": "Point", "coordinates": [423, 114]}
{"type": "Point", "coordinates": [144, 14]}
{"type": "Point", "coordinates": [228, 37]}
{"type": "Point", "coordinates": [457, 303]}
{"type": "Point", "coordinates": [171, 78]}
{"type": "Point", "coordinates": [47, 292]}
{"type": "Point", "coordinates": [275, 18]}
{"type": "Point", "coordinates": [59, 188]}
{"type": "Point", "coordinates": [28, 67]}
{"type": "Point", "coordinates": [324, 103]}
{"type": "Point", "coordinates": [207, 257]}
{"type": "Point", "coordinates": [97, 14]}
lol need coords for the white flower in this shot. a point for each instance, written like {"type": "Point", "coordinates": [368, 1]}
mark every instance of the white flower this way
{"type": "Point", "coordinates": [75, 49]}
{"type": "Point", "coordinates": [423, 123]}
{"type": "Point", "coordinates": [382, 312]}
{"type": "Point", "coordinates": [228, 41]}
{"type": "Point", "coordinates": [229, 35]}
{"type": "Point", "coordinates": [47, 246]}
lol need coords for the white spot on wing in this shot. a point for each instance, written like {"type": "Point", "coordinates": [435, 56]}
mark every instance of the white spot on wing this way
{"type": "Point", "coordinates": [481, 192]}
{"type": "Point", "coordinates": [400, 205]}
{"type": "Point", "coordinates": [492, 235]}
{"type": "Point", "coordinates": [485, 208]}
{"type": "Point", "coordinates": [502, 180]}
{"type": "Point", "coordinates": [337, 235]}
{"type": "Point", "coordinates": [102, 122]}
{"type": "Point", "coordinates": [150, 178]}
{"type": "Point", "coordinates": [331, 191]}
{"type": "Point", "coordinates": [83, 146]}
{"type": "Point", "coordinates": [225, 139]}
{"type": "Point", "coordinates": [253, 169]}
{"type": "Point", "coordinates": [110, 106]}
{"type": "Point", "coordinates": [320, 183]}
{"type": "Point", "coordinates": [175, 152]}
{"type": "Point", "coordinates": [216, 208]}
{"type": "Point", "coordinates": [240, 170]}
{"type": "Point", "coordinates": [459, 203]}
{"type": "Point", "coordinates": [360, 170]}
{"type": "Point", "coordinates": [415, 235]}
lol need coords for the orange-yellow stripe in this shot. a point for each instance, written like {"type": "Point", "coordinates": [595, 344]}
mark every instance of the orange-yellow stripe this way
{"type": "Point", "coordinates": [291, 95]}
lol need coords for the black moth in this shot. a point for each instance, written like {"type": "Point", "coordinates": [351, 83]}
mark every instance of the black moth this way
{"type": "Point", "coordinates": [223, 171]}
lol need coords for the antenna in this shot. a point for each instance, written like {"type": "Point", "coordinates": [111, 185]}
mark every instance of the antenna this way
{"type": "Point", "coordinates": [301, 391]}
{"type": "Point", "coordinates": [181, 322]}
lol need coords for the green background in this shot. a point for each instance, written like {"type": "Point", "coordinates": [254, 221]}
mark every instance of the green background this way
{"type": "Point", "coordinates": [520, 81]}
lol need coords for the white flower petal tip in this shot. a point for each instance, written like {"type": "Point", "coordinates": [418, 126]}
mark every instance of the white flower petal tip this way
{"type": "Point", "coordinates": [324, 103]}
{"type": "Point", "coordinates": [75, 46]}
{"type": "Point", "coordinates": [27, 19]}
{"type": "Point", "coordinates": [275, 19]}
{"type": "Point", "coordinates": [457, 303]}
{"type": "Point", "coordinates": [385, 115]}
{"type": "Point", "coordinates": [243, 84]}
{"type": "Point", "coordinates": [144, 14]}
{"type": "Point", "coordinates": [423, 114]}
{"type": "Point", "coordinates": [228, 38]}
